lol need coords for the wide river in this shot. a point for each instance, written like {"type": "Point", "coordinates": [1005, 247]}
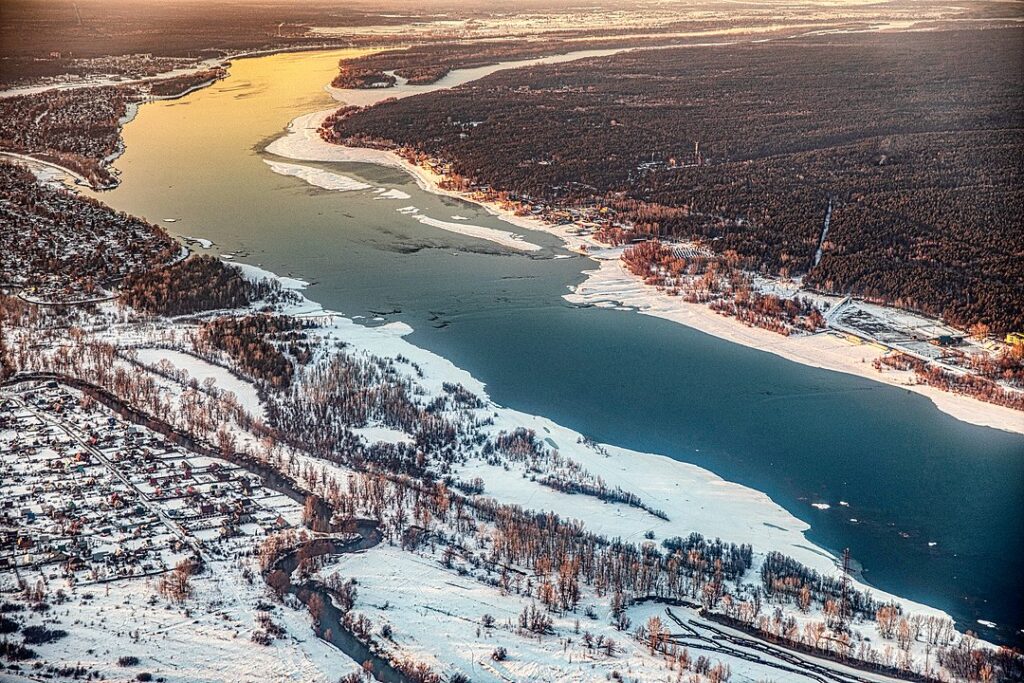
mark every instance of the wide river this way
{"type": "Point", "coordinates": [938, 504]}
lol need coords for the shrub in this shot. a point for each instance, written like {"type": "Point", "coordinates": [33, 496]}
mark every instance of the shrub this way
{"type": "Point", "coordinates": [38, 635]}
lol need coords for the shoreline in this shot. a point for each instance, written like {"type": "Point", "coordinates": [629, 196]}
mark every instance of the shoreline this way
{"type": "Point", "coordinates": [694, 498]}
{"type": "Point", "coordinates": [611, 285]}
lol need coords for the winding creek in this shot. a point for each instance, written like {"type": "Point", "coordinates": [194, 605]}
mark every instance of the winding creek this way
{"type": "Point", "coordinates": [938, 503]}
{"type": "Point", "coordinates": [329, 625]}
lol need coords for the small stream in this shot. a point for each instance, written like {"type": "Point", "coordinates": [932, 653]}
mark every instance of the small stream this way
{"type": "Point", "coordinates": [330, 627]}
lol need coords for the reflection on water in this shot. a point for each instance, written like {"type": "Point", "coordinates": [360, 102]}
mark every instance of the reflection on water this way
{"type": "Point", "coordinates": [911, 475]}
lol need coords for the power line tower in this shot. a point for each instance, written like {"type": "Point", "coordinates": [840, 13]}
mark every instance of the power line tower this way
{"type": "Point", "coordinates": [844, 596]}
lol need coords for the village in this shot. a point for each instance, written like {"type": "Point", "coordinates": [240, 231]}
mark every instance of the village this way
{"type": "Point", "coordinates": [93, 498]}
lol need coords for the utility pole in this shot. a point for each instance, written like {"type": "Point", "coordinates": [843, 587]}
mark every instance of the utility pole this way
{"type": "Point", "coordinates": [843, 604]}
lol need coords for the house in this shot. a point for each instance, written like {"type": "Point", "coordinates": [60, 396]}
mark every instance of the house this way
{"type": "Point", "coordinates": [945, 340]}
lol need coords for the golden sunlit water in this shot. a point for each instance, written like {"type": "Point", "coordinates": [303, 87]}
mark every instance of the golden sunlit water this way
{"type": "Point", "coordinates": [197, 141]}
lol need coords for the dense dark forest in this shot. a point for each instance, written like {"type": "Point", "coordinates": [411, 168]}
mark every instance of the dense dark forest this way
{"type": "Point", "coordinates": [61, 247]}
{"type": "Point", "coordinates": [919, 151]}
{"type": "Point", "coordinates": [200, 283]}
{"type": "Point", "coordinates": [262, 345]}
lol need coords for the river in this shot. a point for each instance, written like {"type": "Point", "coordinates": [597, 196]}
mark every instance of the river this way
{"type": "Point", "coordinates": [939, 503]}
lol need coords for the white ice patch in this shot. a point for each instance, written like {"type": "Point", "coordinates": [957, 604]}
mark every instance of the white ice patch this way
{"type": "Point", "coordinates": [502, 237]}
{"type": "Point", "coordinates": [821, 506]}
{"type": "Point", "coordinates": [318, 177]}
{"type": "Point", "coordinates": [204, 243]}
{"type": "Point", "coordinates": [393, 194]}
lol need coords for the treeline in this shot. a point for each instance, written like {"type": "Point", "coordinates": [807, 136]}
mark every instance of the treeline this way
{"type": "Point", "coordinates": [735, 559]}
{"type": "Point", "coordinates": [549, 468]}
{"type": "Point", "coordinates": [262, 346]}
{"type": "Point", "coordinates": [981, 388]}
{"type": "Point", "coordinates": [925, 187]}
{"type": "Point", "coordinates": [171, 87]}
{"type": "Point", "coordinates": [323, 403]}
{"type": "Point", "coordinates": [200, 283]}
{"type": "Point", "coordinates": [782, 575]}
{"type": "Point", "coordinates": [717, 280]}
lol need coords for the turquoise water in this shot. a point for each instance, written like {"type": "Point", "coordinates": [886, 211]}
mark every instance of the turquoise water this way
{"type": "Point", "coordinates": [912, 475]}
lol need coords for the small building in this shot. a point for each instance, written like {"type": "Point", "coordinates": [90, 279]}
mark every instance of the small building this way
{"type": "Point", "coordinates": [1015, 338]}
{"type": "Point", "coordinates": [945, 340]}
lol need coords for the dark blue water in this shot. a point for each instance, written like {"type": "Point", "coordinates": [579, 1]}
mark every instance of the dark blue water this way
{"type": "Point", "coordinates": [911, 474]}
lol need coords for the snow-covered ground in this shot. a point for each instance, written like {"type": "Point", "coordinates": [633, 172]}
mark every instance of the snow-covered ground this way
{"type": "Point", "coordinates": [378, 433]}
{"type": "Point", "coordinates": [436, 616]}
{"type": "Point", "coordinates": [201, 370]}
{"type": "Point", "coordinates": [434, 611]}
{"type": "Point", "coordinates": [439, 615]}
{"type": "Point", "coordinates": [207, 639]}
{"type": "Point", "coordinates": [693, 498]}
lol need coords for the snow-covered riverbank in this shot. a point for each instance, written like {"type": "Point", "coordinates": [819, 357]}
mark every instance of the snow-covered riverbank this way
{"type": "Point", "coordinates": [692, 498]}
{"type": "Point", "coordinates": [611, 284]}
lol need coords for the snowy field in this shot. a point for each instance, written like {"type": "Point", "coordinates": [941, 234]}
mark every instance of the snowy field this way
{"type": "Point", "coordinates": [206, 640]}
{"type": "Point", "coordinates": [203, 371]}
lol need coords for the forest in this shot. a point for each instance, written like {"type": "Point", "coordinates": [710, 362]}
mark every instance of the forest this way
{"type": "Point", "coordinates": [60, 247]}
{"type": "Point", "coordinates": [746, 146]}
{"type": "Point", "coordinates": [263, 346]}
{"type": "Point", "coordinates": [200, 283]}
